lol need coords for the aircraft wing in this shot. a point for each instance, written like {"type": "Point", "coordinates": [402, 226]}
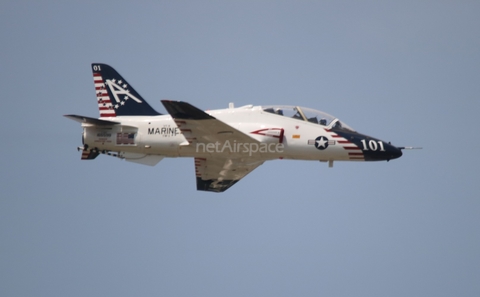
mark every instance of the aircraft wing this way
{"type": "Point", "coordinates": [219, 174]}
{"type": "Point", "coordinates": [198, 126]}
{"type": "Point", "coordinates": [215, 174]}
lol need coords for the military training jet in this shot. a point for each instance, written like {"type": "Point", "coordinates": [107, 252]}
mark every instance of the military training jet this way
{"type": "Point", "coordinates": [226, 144]}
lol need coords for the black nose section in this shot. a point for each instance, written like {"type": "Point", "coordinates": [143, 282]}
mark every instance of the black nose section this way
{"type": "Point", "coordinates": [384, 152]}
{"type": "Point", "coordinates": [373, 149]}
{"type": "Point", "coordinates": [394, 152]}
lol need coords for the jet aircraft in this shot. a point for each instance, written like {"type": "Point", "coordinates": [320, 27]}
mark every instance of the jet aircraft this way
{"type": "Point", "coordinates": [226, 144]}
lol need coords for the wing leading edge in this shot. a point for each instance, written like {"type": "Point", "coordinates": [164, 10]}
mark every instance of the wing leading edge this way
{"type": "Point", "coordinates": [199, 127]}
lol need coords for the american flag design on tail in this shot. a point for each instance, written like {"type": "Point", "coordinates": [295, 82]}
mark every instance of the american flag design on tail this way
{"type": "Point", "coordinates": [115, 96]}
{"type": "Point", "coordinates": [105, 105]}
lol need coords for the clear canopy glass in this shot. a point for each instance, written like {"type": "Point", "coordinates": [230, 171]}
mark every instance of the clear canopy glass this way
{"type": "Point", "coordinates": [307, 114]}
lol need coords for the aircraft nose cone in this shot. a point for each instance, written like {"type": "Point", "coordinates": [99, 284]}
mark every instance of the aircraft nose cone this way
{"type": "Point", "coordinates": [395, 153]}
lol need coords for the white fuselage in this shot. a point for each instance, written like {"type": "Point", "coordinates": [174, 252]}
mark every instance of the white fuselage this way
{"type": "Point", "coordinates": [160, 135]}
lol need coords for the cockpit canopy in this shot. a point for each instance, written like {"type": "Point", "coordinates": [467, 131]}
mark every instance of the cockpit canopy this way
{"type": "Point", "coordinates": [308, 115]}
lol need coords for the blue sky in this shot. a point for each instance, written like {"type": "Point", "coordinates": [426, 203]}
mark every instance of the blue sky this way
{"type": "Point", "coordinates": [405, 72]}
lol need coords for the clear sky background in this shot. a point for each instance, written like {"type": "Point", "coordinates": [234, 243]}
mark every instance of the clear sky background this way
{"type": "Point", "coordinates": [403, 71]}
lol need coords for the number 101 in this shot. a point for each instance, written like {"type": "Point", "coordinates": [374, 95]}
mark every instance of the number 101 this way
{"type": "Point", "coordinates": [372, 145]}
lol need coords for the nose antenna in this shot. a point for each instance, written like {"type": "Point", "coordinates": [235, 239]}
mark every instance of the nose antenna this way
{"type": "Point", "coordinates": [409, 148]}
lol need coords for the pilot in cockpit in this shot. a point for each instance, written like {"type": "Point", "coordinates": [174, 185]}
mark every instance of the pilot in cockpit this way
{"type": "Point", "coordinates": [323, 122]}
{"type": "Point", "coordinates": [279, 111]}
{"type": "Point", "coordinates": [297, 115]}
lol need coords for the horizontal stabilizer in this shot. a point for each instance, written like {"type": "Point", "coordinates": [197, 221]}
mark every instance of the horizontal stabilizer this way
{"type": "Point", "coordinates": [88, 120]}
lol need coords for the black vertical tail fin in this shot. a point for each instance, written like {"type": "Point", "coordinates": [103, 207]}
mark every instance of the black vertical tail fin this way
{"type": "Point", "coordinates": [115, 96]}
